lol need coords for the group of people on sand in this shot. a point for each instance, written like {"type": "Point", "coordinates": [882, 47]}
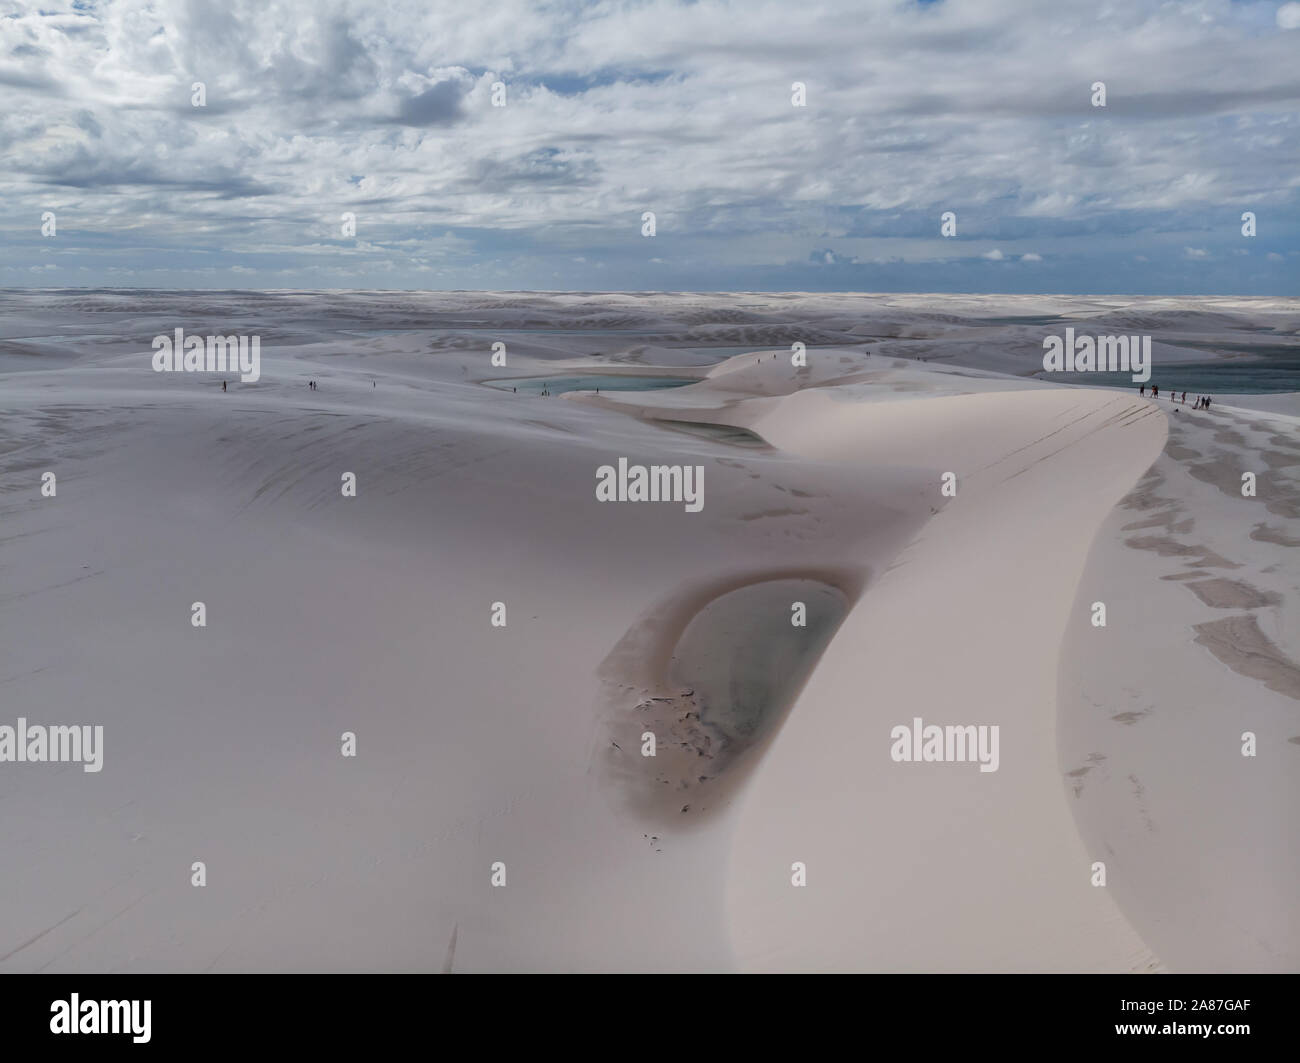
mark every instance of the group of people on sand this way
{"type": "Point", "coordinates": [1202, 401]}
{"type": "Point", "coordinates": [311, 384]}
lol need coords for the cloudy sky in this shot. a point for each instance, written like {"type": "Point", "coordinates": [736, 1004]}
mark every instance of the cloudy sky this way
{"type": "Point", "coordinates": [385, 110]}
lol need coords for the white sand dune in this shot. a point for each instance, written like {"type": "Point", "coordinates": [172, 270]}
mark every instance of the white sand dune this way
{"type": "Point", "coordinates": [368, 615]}
{"type": "Point", "coordinates": [940, 866]}
{"type": "Point", "coordinates": [1203, 595]}
{"type": "Point", "coordinates": [479, 744]}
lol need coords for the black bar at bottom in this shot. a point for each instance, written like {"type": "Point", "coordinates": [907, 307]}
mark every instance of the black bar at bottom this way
{"type": "Point", "coordinates": [1244, 1013]}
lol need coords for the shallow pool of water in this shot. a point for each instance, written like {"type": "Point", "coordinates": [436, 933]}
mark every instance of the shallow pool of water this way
{"type": "Point", "coordinates": [722, 433]}
{"type": "Point", "coordinates": [746, 661]}
{"type": "Point", "coordinates": [534, 385]}
{"type": "Point", "coordinates": [1272, 374]}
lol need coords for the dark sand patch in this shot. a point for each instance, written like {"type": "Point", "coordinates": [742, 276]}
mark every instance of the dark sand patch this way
{"type": "Point", "coordinates": [1229, 438]}
{"type": "Point", "coordinates": [1280, 498]}
{"type": "Point", "coordinates": [1232, 594]}
{"type": "Point", "coordinates": [1143, 495]}
{"type": "Point", "coordinates": [1265, 534]}
{"type": "Point", "coordinates": [1167, 547]}
{"type": "Point", "coordinates": [1224, 472]}
{"type": "Point", "coordinates": [1181, 453]}
{"type": "Point", "coordinates": [1167, 520]}
{"type": "Point", "coordinates": [1279, 459]}
{"type": "Point", "coordinates": [1139, 796]}
{"type": "Point", "coordinates": [1095, 760]}
{"type": "Point", "coordinates": [1238, 642]}
{"type": "Point", "coordinates": [768, 513]}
